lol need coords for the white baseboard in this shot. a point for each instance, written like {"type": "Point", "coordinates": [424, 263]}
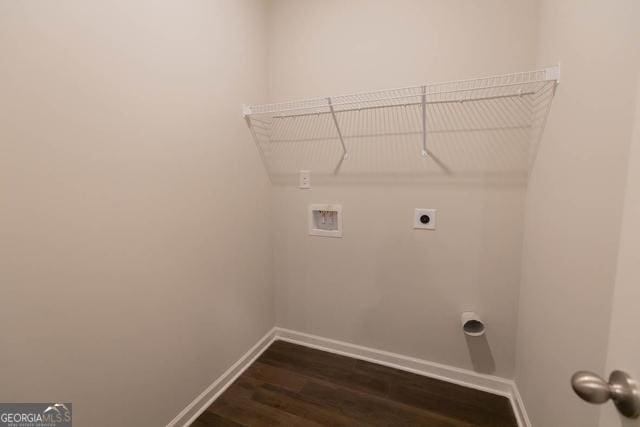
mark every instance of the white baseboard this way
{"type": "Point", "coordinates": [189, 414]}
{"type": "Point", "coordinates": [464, 377]}
{"type": "Point", "coordinates": [518, 408]}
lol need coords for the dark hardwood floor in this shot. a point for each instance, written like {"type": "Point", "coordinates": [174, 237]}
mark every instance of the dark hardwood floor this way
{"type": "Point", "coordinates": [292, 385]}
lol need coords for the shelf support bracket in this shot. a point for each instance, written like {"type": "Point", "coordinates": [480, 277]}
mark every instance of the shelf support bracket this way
{"type": "Point", "coordinates": [424, 153]}
{"type": "Point", "coordinates": [345, 153]}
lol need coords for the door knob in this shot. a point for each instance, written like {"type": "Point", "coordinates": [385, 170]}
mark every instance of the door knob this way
{"type": "Point", "coordinates": [620, 388]}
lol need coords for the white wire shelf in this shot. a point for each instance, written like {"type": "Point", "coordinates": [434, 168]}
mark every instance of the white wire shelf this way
{"type": "Point", "coordinates": [510, 107]}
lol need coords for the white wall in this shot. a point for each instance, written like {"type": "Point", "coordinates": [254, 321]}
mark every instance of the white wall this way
{"type": "Point", "coordinates": [133, 271]}
{"type": "Point", "coordinates": [622, 351]}
{"type": "Point", "coordinates": [385, 285]}
{"type": "Point", "coordinates": [574, 204]}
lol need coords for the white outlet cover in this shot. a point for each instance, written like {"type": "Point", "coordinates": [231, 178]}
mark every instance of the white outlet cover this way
{"type": "Point", "coordinates": [304, 179]}
{"type": "Point", "coordinates": [425, 219]}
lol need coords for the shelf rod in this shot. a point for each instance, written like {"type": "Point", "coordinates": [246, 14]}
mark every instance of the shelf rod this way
{"type": "Point", "coordinates": [424, 122]}
{"type": "Point", "coordinates": [345, 154]}
{"type": "Point", "coordinates": [407, 104]}
{"type": "Point", "coordinates": [432, 93]}
{"type": "Point", "coordinates": [550, 74]}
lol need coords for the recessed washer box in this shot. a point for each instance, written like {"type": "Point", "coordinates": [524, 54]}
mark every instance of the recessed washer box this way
{"type": "Point", "coordinates": [325, 220]}
{"type": "Point", "coordinates": [424, 219]}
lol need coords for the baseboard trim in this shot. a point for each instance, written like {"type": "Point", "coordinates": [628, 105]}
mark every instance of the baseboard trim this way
{"type": "Point", "coordinates": [189, 414]}
{"type": "Point", "coordinates": [464, 377]}
{"type": "Point", "coordinates": [518, 407]}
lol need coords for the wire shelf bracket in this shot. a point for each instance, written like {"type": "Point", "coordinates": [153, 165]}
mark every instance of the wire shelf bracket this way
{"type": "Point", "coordinates": [345, 153]}
{"type": "Point", "coordinates": [424, 152]}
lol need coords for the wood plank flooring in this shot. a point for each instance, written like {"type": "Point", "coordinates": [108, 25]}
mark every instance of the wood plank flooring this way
{"type": "Point", "coordinates": [292, 385]}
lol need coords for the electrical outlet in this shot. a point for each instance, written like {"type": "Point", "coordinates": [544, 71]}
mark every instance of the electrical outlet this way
{"type": "Point", "coordinates": [305, 179]}
{"type": "Point", "coordinates": [424, 219]}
